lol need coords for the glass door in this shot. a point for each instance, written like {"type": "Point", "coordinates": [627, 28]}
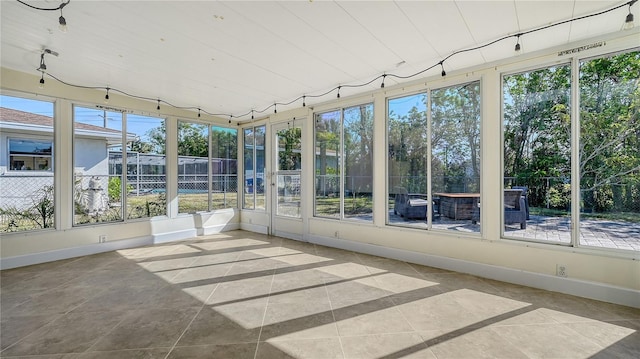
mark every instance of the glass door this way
{"type": "Point", "coordinates": [286, 180]}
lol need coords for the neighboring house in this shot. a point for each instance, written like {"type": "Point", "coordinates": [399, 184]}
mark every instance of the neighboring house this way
{"type": "Point", "coordinates": [27, 149]}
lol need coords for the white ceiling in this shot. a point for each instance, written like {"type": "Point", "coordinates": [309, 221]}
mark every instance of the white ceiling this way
{"type": "Point", "coordinates": [234, 56]}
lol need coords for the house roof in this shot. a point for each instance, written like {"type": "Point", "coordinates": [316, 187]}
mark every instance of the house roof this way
{"type": "Point", "coordinates": [8, 115]}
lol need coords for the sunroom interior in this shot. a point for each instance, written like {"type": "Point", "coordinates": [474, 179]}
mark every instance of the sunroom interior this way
{"type": "Point", "coordinates": [311, 120]}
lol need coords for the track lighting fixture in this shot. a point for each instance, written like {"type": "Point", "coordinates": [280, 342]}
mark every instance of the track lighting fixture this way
{"type": "Point", "coordinates": [339, 91]}
{"type": "Point", "coordinates": [628, 22]}
{"type": "Point", "coordinates": [443, 73]}
{"type": "Point", "coordinates": [517, 48]}
{"type": "Point", "coordinates": [382, 84]}
{"type": "Point", "coordinates": [41, 81]}
{"type": "Point", "coordinates": [158, 108]}
{"type": "Point", "coordinates": [106, 97]}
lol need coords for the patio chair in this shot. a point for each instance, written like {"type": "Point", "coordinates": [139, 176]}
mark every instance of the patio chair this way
{"type": "Point", "coordinates": [525, 191]}
{"type": "Point", "coordinates": [514, 208]}
{"type": "Point", "coordinates": [410, 205]}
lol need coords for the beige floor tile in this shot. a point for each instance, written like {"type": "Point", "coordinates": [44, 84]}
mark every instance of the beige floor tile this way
{"type": "Point", "coordinates": [438, 312]}
{"type": "Point", "coordinates": [298, 320]}
{"type": "Point", "coordinates": [324, 348]}
{"type": "Point", "coordinates": [377, 317]}
{"type": "Point", "coordinates": [619, 339]}
{"type": "Point", "coordinates": [213, 327]}
{"type": "Point", "coordinates": [147, 329]}
{"type": "Point", "coordinates": [247, 313]}
{"type": "Point", "coordinates": [479, 343]}
{"type": "Point", "coordinates": [548, 341]}
{"type": "Point", "coordinates": [12, 329]}
{"type": "Point", "coordinates": [72, 333]}
{"type": "Point", "coordinates": [241, 289]}
{"type": "Point", "coordinates": [398, 345]}
{"type": "Point", "coordinates": [235, 351]}
{"type": "Point", "coordinates": [154, 353]}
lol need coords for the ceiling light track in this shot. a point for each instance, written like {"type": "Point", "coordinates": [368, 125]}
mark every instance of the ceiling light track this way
{"type": "Point", "coordinates": [629, 19]}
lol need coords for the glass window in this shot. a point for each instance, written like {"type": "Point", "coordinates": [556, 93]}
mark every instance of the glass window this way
{"type": "Point", "coordinates": [146, 166]}
{"type": "Point", "coordinates": [344, 163]}
{"type": "Point", "coordinates": [455, 157]}
{"type": "Point", "coordinates": [407, 146]}
{"type": "Point", "coordinates": [193, 167]}
{"type": "Point", "coordinates": [328, 134]}
{"type": "Point", "coordinates": [358, 162]}
{"type": "Point", "coordinates": [26, 164]}
{"type": "Point", "coordinates": [537, 154]}
{"type": "Point", "coordinates": [254, 162]}
{"type": "Point", "coordinates": [98, 193]}
{"type": "Point", "coordinates": [224, 167]}
{"type": "Point", "coordinates": [609, 151]}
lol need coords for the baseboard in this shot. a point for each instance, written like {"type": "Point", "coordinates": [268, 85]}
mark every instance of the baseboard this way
{"type": "Point", "coordinates": [66, 253]}
{"type": "Point", "coordinates": [254, 228]}
{"type": "Point", "coordinates": [218, 229]}
{"type": "Point", "coordinates": [289, 235]}
{"type": "Point", "coordinates": [581, 288]}
{"type": "Point", "coordinates": [174, 236]}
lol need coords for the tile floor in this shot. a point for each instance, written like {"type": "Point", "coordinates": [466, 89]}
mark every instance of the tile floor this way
{"type": "Point", "coordinates": [245, 295]}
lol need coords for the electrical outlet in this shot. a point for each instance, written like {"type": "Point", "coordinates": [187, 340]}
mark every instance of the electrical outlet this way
{"type": "Point", "coordinates": [102, 238]}
{"type": "Point", "coordinates": [336, 234]}
{"type": "Point", "coordinates": [561, 270]}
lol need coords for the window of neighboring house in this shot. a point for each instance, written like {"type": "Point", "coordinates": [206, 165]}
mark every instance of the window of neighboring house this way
{"type": "Point", "coordinates": [224, 167]}
{"type": "Point", "coordinates": [97, 192]}
{"type": "Point", "coordinates": [344, 163]}
{"type": "Point", "coordinates": [27, 200]}
{"type": "Point", "coordinates": [254, 164]}
{"type": "Point", "coordinates": [537, 154]}
{"type": "Point", "coordinates": [455, 158]}
{"type": "Point", "coordinates": [30, 155]}
{"type": "Point", "coordinates": [609, 151]}
{"type": "Point", "coordinates": [193, 167]}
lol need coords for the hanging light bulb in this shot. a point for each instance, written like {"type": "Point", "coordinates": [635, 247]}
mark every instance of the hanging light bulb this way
{"type": "Point", "coordinates": [339, 91]}
{"type": "Point", "coordinates": [41, 85]}
{"type": "Point", "coordinates": [252, 114]}
{"type": "Point", "coordinates": [443, 73]}
{"type": "Point", "coordinates": [628, 22]}
{"type": "Point", "coordinates": [517, 48]}
{"type": "Point", "coordinates": [198, 111]}
{"type": "Point", "coordinates": [275, 108]}
{"type": "Point", "coordinates": [304, 104]}
{"type": "Point", "coordinates": [61, 20]}
{"type": "Point", "coordinates": [106, 97]}
{"type": "Point", "coordinates": [158, 108]}
{"type": "Point", "coordinates": [382, 84]}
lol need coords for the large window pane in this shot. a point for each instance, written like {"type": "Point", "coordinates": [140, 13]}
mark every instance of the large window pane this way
{"type": "Point", "coordinates": [98, 193]}
{"type": "Point", "coordinates": [288, 171]}
{"type": "Point", "coordinates": [193, 167]}
{"type": "Point", "coordinates": [358, 162]}
{"type": "Point", "coordinates": [455, 156]}
{"type": "Point", "coordinates": [537, 154]}
{"type": "Point", "coordinates": [328, 133]}
{"type": "Point", "coordinates": [224, 168]}
{"type": "Point", "coordinates": [26, 165]}
{"type": "Point", "coordinates": [610, 152]}
{"type": "Point", "coordinates": [146, 167]}
{"type": "Point", "coordinates": [407, 163]}
{"type": "Point", "coordinates": [254, 156]}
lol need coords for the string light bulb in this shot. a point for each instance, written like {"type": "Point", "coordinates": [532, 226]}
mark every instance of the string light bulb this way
{"type": "Point", "coordinates": [339, 91]}
{"type": "Point", "coordinates": [252, 114]}
{"type": "Point", "coordinates": [158, 108]}
{"type": "Point", "coordinates": [443, 73]}
{"type": "Point", "coordinates": [628, 21]}
{"type": "Point", "coordinates": [106, 97]}
{"type": "Point", "coordinates": [41, 85]}
{"type": "Point", "coordinates": [518, 47]}
{"type": "Point", "coordinates": [198, 112]}
{"type": "Point", "coordinates": [382, 84]}
{"type": "Point", "coordinates": [304, 104]}
{"type": "Point", "coordinates": [230, 119]}
{"type": "Point", "coordinates": [275, 108]}
{"type": "Point", "coordinates": [61, 20]}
